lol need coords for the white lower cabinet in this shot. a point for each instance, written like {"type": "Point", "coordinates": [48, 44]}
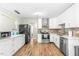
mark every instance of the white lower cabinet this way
{"type": "Point", "coordinates": [39, 23]}
{"type": "Point", "coordinates": [51, 38]}
{"type": "Point", "coordinates": [39, 38]}
{"type": "Point", "coordinates": [10, 46]}
{"type": "Point", "coordinates": [19, 42]}
{"type": "Point", "coordinates": [6, 47]}
{"type": "Point", "coordinates": [56, 39]}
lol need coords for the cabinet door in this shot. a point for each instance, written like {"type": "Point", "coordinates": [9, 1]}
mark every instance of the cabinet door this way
{"type": "Point", "coordinates": [50, 23]}
{"type": "Point", "coordinates": [56, 40]}
{"type": "Point", "coordinates": [39, 23]}
{"type": "Point", "coordinates": [6, 23]}
{"type": "Point", "coordinates": [76, 21]}
{"type": "Point", "coordinates": [53, 24]}
{"type": "Point", "coordinates": [22, 40]}
{"type": "Point", "coordinates": [3, 23]}
{"type": "Point", "coordinates": [39, 38]}
{"type": "Point", "coordinates": [51, 38]}
{"type": "Point", "coordinates": [70, 17]}
{"type": "Point", "coordinates": [6, 48]}
{"type": "Point", "coordinates": [16, 43]}
{"type": "Point", "coordinates": [19, 42]}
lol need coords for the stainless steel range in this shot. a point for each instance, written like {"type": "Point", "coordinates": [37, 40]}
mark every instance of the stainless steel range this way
{"type": "Point", "coordinates": [45, 38]}
{"type": "Point", "coordinates": [45, 30]}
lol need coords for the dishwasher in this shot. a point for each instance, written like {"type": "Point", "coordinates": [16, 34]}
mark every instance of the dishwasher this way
{"type": "Point", "coordinates": [76, 50]}
{"type": "Point", "coordinates": [64, 45]}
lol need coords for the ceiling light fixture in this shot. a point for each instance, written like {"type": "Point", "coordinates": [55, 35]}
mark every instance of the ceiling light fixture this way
{"type": "Point", "coordinates": [16, 11]}
{"type": "Point", "coordinates": [38, 14]}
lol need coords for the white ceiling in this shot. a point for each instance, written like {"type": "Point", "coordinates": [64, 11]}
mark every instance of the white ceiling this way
{"type": "Point", "coordinates": [28, 9]}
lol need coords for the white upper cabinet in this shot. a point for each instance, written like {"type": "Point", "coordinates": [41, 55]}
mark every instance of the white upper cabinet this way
{"type": "Point", "coordinates": [7, 23]}
{"type": "Point", "coordinates": [76, 21]}
{"type": "Point", "coordinates": [68, 17]}
{"type": "Point", "coordinates": [39, 23]}
{"type": "Point", "coordinates": [53, 23]}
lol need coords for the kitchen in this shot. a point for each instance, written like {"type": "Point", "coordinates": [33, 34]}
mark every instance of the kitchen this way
{"type": "Point", "coordinates": [57, 28]}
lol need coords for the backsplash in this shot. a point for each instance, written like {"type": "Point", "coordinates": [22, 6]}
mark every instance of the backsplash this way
{"type": "Point", "coordinates": [55, 31]}
{"type": "Point", "coordinates": [76, 32]}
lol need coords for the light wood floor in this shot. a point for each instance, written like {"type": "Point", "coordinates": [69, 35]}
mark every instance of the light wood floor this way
{"type": "Point", "coordinates": [37, 49]}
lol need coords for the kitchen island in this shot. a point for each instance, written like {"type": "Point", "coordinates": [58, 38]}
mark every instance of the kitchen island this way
{"type": "Point", "coordinates": [10, 45]}
{"type": "Point", "coordinates": [69, 46]}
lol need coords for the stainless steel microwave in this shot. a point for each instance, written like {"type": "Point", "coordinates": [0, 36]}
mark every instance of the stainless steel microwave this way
{"type": "Point", "coordinates": [5, 34]}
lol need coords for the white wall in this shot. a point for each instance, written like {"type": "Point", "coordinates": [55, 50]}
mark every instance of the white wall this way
{"type": "Point", "coordinates": [32, 22]}
{"type": "Point", "coordinates": [8, 21]}
{"type": "Point", "coordinates": [70, 17]}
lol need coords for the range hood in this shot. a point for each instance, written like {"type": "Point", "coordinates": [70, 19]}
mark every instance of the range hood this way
{"type": "Point", "coordinates": [63, 28]}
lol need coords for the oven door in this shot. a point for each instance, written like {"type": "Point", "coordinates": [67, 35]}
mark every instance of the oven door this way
{"type": "Point", "coordinates": [45, 36]}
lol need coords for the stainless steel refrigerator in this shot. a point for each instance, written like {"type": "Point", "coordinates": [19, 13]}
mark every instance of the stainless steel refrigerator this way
{"type": "Point", "coordinates": [25, 29]}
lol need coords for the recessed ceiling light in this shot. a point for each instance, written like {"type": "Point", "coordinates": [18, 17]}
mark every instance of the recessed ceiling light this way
{"type": "Point", "coordinates": [38, 13]}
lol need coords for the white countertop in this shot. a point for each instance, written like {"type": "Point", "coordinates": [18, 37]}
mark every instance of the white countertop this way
{"type": "Point", "coordinates": [12, 36]}
{"type": "Point", "coordinates": [65, 36]}
{"type": "Point", "coordinates": [16, 35]}
{"type": "Point", "coordinates": [70, 37]}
